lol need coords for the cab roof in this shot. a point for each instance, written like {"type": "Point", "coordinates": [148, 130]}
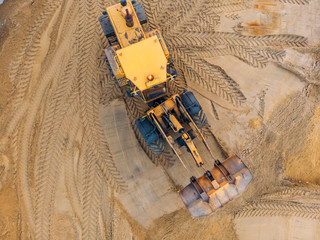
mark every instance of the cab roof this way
{"type": "Point", "coordinates": [142, 59]}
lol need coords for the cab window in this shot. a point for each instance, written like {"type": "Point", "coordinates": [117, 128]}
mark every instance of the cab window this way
{"type": "Point", "coordinates": [155, 92]}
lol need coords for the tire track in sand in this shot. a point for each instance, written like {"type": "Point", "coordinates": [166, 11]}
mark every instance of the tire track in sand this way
{"type": "Point", "coordinates": [51, 141]}
{"type": "Point", "coordinates": [48, 106]}
{"type": "Point", "coordinates": [289, 202]}
{"type": "Point", "coordinates": [98, 157]}
{"type": "Point", "coordinates": [21, 67]}
{"type": "Point", "coordinates": [24, 134]}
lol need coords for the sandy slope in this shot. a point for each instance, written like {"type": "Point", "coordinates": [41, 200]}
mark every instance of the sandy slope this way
{"type": "Point", "coordinates": [63, 174]}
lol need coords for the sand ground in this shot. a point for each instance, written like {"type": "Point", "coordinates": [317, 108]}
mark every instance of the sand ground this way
{"type": "Point", "coordinates": [74, 166]}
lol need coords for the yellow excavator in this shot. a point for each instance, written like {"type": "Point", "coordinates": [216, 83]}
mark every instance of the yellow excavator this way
{"type": "Point", "coordinates": [141, 62]}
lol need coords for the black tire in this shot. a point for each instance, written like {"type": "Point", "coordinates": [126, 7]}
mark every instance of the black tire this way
{"type": "Point", "coordinates": [190, 102]}
{"type": "Point", "coordinates": [110, 69]}
{"type": "Point", "coordinates": [200, 119]}
{"type": "Point", "coordinates": [194, 109]}
{"type": "Point", "coordinates": [150, 135]}
{"type": "Point", "coordinates": [157, 147]}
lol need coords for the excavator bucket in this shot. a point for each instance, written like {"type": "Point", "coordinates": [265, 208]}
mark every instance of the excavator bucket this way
{"type": "Point", "coordinates": [216, 187]}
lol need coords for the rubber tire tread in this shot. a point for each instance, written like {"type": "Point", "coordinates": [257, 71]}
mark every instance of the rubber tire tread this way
{"type": "Point", "coordinates": [150, 135]}
{"type": "Point", "coordinates": [157, 147]}
{"type": "Point", "coordinates": [200, 119]}
{"type": "Point", "coordinates": [190, 102]}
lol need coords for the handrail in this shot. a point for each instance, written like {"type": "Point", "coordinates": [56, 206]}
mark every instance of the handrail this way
{"type": "Point", "coordinates": [116, 60]}
{"type": "Point", "coordinates": [170, 77]}
{"type": "Point", "coordinates": [162, 42]}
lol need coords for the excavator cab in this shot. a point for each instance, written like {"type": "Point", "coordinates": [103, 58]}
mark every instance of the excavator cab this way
{"type": "Point", "coordinates": [141, 63]}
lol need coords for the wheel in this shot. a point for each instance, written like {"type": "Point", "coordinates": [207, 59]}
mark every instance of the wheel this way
{"type": "Point", "coordinates": [109, 67]}
{"type": "Point", "coordinates": [106, 25]}
{"type": "Point", "coordinates": [157, 147]}
{"type": "Point", "coordinates": [190, 102]}
{"type": "Point", "coordinates": [200, 119]}
{"type": "Point", "coordinates": [150, 135]}
{"type": "Point", "coordinates": [194, 109]}
{"type": "Point", "coordinates": [140, 12]}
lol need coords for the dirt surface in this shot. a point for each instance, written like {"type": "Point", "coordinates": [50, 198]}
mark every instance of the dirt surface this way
{"type": "Point", "coordinates": [74, 166]}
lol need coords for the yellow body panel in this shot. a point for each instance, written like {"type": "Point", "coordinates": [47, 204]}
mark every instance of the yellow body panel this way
{"type": "Point", "coordinates": [156, 32]}
{"type": "Point", "coordinates": [142, 59]}
{"type": "Point", "coordinates": [125, 35]}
